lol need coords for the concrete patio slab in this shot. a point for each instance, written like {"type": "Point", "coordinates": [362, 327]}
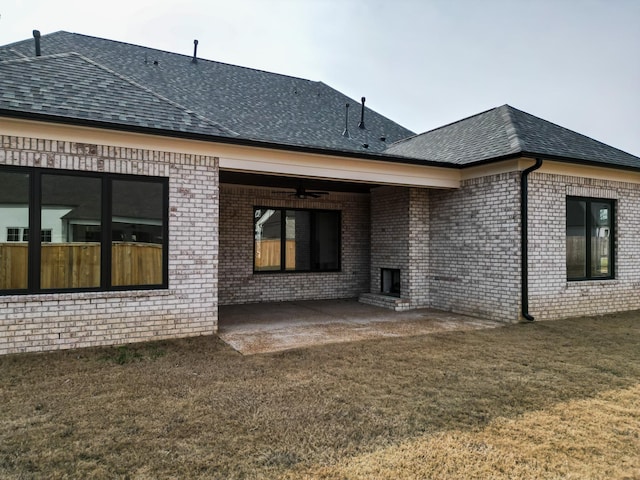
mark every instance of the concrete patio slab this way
{"type": "Point", "coordinates": [272, 327]}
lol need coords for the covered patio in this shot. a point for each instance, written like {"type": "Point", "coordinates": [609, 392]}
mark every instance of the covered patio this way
{"type": "Point", "coordinates": [272, 327]}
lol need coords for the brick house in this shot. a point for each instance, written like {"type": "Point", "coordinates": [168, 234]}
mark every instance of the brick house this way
{"type": "Point", "coordinates": [141, 189]}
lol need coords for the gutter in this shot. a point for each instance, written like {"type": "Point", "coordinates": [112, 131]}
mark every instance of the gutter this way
{"type": "Point", "coordinates": [524, 237]}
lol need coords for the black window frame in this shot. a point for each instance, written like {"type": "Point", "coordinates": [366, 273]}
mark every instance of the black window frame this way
{"type": "Point", "coordinates": [45, 235]}
{"type": "Point", "coordinates": [15, 234]}
{"type": "Point", "coordinates": [35, 241]}
{"type": "Point", "coordinates": [312, 249]}
{"type": "Point", "coordinates": [588, 226]}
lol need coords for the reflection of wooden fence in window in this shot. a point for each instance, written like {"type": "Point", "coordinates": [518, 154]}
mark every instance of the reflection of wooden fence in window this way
{"type": "Point", "coordinates": [268, 254]}
{"type": "Point", "coordinates": [77, 265]}
{"type": "Point", "coordinates": [576, 251]}
{"type": "Point", "coordinates": [136, 264]}
{"type": "Point", "coordinates": [13, 266]}
{"type": "Point", "coordinates": [70, 265]}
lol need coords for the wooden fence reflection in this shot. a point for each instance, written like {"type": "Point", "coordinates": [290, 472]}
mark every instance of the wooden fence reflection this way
{"type": "Point", "coordinates": [77, 265]}
{"type": "Point", "coordinates": [267, 255]}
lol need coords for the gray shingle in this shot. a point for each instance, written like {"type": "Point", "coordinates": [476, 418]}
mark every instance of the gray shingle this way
{"type": "Point", "coordinates": [71, 86]}
{"type": "Point", "coordinates": [257, 105]}
{"type": "Point", "coordinates": [132, 85]}
{"type": "Point", "coordinates": [505, 131]}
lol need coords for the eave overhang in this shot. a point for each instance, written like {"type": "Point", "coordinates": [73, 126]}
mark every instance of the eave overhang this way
{"type": "Point", "coordinates": [240, 154]}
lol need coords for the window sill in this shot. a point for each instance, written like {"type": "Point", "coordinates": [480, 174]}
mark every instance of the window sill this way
{"type": "Point", "coordinates": [592, 283]}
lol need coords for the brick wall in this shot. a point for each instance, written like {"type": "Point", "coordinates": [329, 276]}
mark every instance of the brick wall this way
{"type": "Point", "coordinates": [238, 283]}
{"type": "Point", "coordinates": [400, 240]}
{"type": "Point", "coordinates": [475, 248]}
{"type": "Point", "coordinates": [419, 248]}
{"type": "Point", "coordinates": [389, 235]}
{"type": "Point", "coordinates": [187, 308]}
{"type": "Point", "coordinates": [550, 294]}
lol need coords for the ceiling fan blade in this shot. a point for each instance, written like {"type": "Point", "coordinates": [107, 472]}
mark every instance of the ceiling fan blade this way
{"type": "Point", "coordinates": [301, 192]}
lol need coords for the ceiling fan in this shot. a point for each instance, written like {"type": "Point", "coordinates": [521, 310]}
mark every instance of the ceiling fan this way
{"type": "Point", "coordinates": [303, 194]}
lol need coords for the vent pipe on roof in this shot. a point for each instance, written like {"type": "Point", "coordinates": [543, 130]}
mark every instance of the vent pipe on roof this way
{"type": "Point", "coordinates": [361, 124]}
{"type": "Point", "coordinates": [346, 122]}
{"type": "Point", "coordinates": [195, 52]}
{"type": "Point", "coordinates": [36, 36]}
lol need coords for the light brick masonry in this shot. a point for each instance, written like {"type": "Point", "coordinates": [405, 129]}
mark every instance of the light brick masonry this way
{"type": "Point", "coordinates": [187, 308]}
{"type": "Point", "coordinates": [458, 250]}
{"type": "Point", "coordinates": [238, 283]}
{"type": "Point", "coordinates": [400, 240]}
{"type": "Point", "coordinates": [551, 296]}
{"type": "Point", "coordinates": [475, 248]}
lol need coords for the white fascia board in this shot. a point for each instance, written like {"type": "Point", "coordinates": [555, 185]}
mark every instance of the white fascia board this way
{"type": "Point", "coordinates": [250, 159]}
{"type": "Point", "coordinates": [328, 167]}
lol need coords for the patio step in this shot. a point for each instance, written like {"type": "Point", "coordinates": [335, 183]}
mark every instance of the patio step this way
{"type": "Point", "coordinates": [385, 301]}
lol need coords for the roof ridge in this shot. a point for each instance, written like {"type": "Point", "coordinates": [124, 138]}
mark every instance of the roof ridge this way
{"type": "Point", "coordinates": [442, 126]}
{"type": "Point", "coordinates": [157, 95]}
{"type": "Point", "coordinates": [128, 80]}
{"type": "Point", "coordinates": [511, 128]}
{"type": "Point", "coordinates": [179, 54]}
{"type": "Point", "coordinates": [569, 130]}
{"type": "Point", "coordinates": [20, 54]}
{"type": "Point", "coordinates": [25, 58]}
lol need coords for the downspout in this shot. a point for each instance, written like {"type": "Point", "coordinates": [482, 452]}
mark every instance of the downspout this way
{"type": "Point", "coordinates": [524, 237]}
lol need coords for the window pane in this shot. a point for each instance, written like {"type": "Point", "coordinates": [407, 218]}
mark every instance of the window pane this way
{"type": "Point", "coordinates": [14, 216]}
{"type": "Point", "coordinates": [71, 210]}
{"type": "Point", "coordinates": [600, 239]}
{"type": "Point", "coordinates": [13, 234]}
{"type": "Point", "coordinates": [137, 233]}
{"type": "Point", "coordinates": [298, 230]}
{"type": "Point", "coordinates": [45, 235]}
{"type": "Point", "coordinates": [267, 236]}
{"type": "Point", "coordinates": [327, 239]}
{"type": "Point", "coordinates": [576, 239]}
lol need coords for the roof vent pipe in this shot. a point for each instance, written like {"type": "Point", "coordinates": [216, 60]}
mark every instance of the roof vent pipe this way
{"type": "Point", "coordinates": [36, 36]}
{"type": "Point", "coordinates": [346, 122]}
{"type": "Point", "coordinates": [195, 52]}
{"type": "Point", "coordinates": [361, 124]}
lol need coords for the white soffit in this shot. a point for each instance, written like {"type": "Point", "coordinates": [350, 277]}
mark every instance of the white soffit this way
{"type": "Point", "coordinates": [327, 167]}
{"type": "Point", "coordinates": [249, 159]}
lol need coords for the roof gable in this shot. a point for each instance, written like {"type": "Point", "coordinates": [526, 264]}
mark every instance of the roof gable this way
{"type": "Point", "coordinates": [506, 131]}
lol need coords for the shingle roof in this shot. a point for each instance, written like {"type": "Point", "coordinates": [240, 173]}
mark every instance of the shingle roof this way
{"type": "Point", "coordinates": [69, 85]}
{"type": "Point", "coordinates": [506, 131]}
{"type": "Point", "coordinates": [94, 79]}
{"type": "Point", "coordinates": [256, 105]}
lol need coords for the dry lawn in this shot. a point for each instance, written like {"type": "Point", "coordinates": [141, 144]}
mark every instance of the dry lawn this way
{"type": "Point", "coordinates": [543, 400]}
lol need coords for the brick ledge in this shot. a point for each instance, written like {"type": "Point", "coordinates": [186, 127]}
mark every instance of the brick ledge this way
{"type": "Point", "coordinates": [385, 301]}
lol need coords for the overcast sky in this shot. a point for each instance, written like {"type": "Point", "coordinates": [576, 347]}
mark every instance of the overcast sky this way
{"type": "Point", "coordinates": [422, 63]}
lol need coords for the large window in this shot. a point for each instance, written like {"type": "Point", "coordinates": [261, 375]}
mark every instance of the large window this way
{"type": "Point", "coordinates": [288, 240]}
{"type": "Point", "coordinates": [94, 231]}
{"type": "Point", "coordinates": [71, 205]}
{"type": "Point", "coordinates": [14, 219]}
{"type": "Point", "coordinates": [590, 238]}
